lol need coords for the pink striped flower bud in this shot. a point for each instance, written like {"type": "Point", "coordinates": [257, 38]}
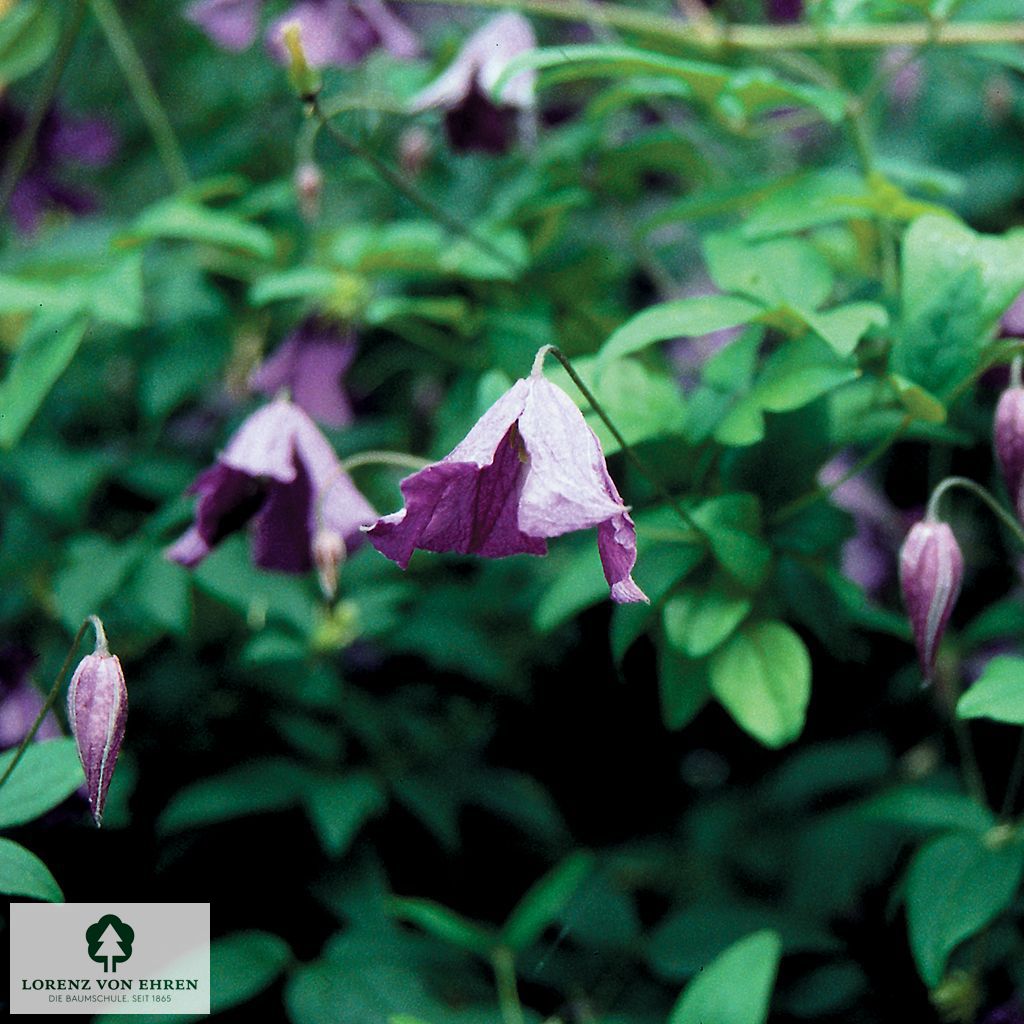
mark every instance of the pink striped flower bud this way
{"type": "Point", "coordinates": [931, 570]}
{"type": "Point", "coordinates": [97, 709]}
{"type": "Point", "coordinates": [1009, 444]}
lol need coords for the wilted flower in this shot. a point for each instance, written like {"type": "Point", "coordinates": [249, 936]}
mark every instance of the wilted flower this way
{"type": "Point", "coordinates": [1008, 431]}
{"type": "Point", "coordinates": [333, 32]}
{"type": "Point", "coordinates": [931, 571]}
{"type": "Point", "coordinates": [310, 364]}
{"type": "Point", "coordinates": [474, 119]}
{"type": "Point", "coordinates": [279, 472]}
{"type": "Point", "coordinates": [529, 469]}
{"type": "Point", "coordinates": [97, 710]}
{"type": "Point", "coordinates": [20, 701]}
{"type": "Point", "coordinates": [61, 140]}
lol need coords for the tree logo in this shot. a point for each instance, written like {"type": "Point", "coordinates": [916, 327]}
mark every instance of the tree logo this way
{"type": "Point", "coordinates": [110, 942]}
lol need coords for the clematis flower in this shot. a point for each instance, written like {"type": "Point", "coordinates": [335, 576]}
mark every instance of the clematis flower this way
{"type": "Point", "coordinates": [1008, 436]}
{"type": "Point", "coordinates": [310, 364]}
{"type": "Point", "coordinates": [931, 571]}
{"type": "Point", "coordinates": [60, 141]}
{"type": "Point", "coordinates": [280, 473]}
{"type": "Point", "coordinates": [474, 119]}
{"type": "Point", "coordinates": [333, 32]}
{"type": "Point", "coordinates": [529, 469]}
{"type": "Point", "coordinates": [20, 701]}
{"type": "Point", "coordinates": [1012, 323]}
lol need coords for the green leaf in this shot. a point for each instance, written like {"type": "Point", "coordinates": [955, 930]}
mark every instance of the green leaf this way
{"type": "Point", "coordinates": [683, 318]}
{"type": "Point", "coordinates": [161, 593]}
{"type": "Point", "coordinates": [844, 326]}
{"type": "Point", "coordinates": [95, 571]}
{"type": "Point", "coordinates": [998, 694]}
{"type": "Point", "coordinates": [244, 964]}
{"type": "Point", "coordinates": [339, 806]}
{"type": "Point", "coordinates": [683, 686]}
{"type": "Point", "coordinates": [545, 901]}
{"type": "Point", "coordinates": [732, 523]}
{"type": "Point", "coordinates": [920, 808]}
{"type": "Point", "coordinates": [698, 621]}
{"type": "Point", "coordinates": [23, 874]}
{"type": "Point", "coordinates": [815, 199]}
{"type": "Point", "coordinates": [28, 34]}
{"type": "Point", "coordinates": [47, 347]}
{"type": "Point", "coordinates": [762, 676]}
{"type": "Point", "coordinates": [736, 987]}
{"type": "Point", "coordinates": [47, 774]}
{"type": "Point", "coordinates": [298, 283]}
{"type": "Point", "coordinates": [183, 219]}
{"type": "Point", "coordinates": [918, 402]}
{"type": "Point", "coordinates": [956, 885]}
{"type": "Point", "coordinates": [445, 924]}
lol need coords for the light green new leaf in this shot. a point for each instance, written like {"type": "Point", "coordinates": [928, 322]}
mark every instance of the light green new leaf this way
{"type": "Point", "coordinates": [297, 283]}
{"type": "Point", "coordinates": [47, 774]}
{"type": "Point", "coordinates": [956, 885]}
{"type": "Point", "coordinates": [545, 901]}
{"type": "Point", "coordinates": [28, 34]}
{"type": "Point", "coordinates": [445, 924]}
{"type": "Point", "coordinates": [736, 987]}
{"type": "Point", "coordinates": [998, 693]}
{"type": "Point", "coordinates": [23, 874]}
{"type": "Point", "coordinates": [180, 218]}
{"type": "Point", "coordinates": [844, 326]}
{"type": "Point", "coordinates": [762, 676]}
{"type": "Point", "coordinates": [697, 621]}
{"type": "Point", "coordinates": [242, 965]}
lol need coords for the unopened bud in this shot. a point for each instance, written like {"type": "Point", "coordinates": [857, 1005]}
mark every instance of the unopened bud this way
{"type": "Point", "coordinates": [1008, 436]}
{"type": "Point", "coordinates": [931, 571]}
{"type": "Point", "coordinates": [309, 186]}
{"type": "Point", "coordinates": [97, 710]}
{"type": "Point", "coordinates": [414, 148]}
{"type": "Point", "coordinates": [305, 80]}
{"type": "Point", "coordinates": [329, 552]}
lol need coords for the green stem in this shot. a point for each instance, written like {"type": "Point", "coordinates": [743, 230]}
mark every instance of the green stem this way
{"type": "Point", "coordinates": [51, 697]}
{"type": "Point", "coordinates": [418, 198]}
{"type": "Point", "coordinates": [134, 71]}
{"type": "Point", "coordinates": [382, 458]}
{"type": "Point", "coordinates": [755, 38]}
{"type": "Point", "coordinates": [21, 152]}
{"type": "Point", "coordinates": [979, 492]}
{"type": "Point", "coordinates": [1013, 782]}
{"type": "Point", "coordinates": [969, 760]}
{"type": "Point", "coordinates": [504, 964]}
{"type": "Point", "coordinates": [645, 471]}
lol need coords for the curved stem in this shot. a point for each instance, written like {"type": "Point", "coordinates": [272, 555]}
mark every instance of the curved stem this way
{"type": "Point", "coordinates": [141, 88]}
{"type": "Point", "coordinates": [51, 697]}
{"type": "Point", "coordinates": [979, 492]}
{"type": "Point", "coordinates": [503, 963]}
{"type": "Point", "coordinates": [383, 458]}
{"type": "Point", "coordinates": [21, 152]}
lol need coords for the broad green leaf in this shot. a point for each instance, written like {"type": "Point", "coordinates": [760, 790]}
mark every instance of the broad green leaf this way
{"type": "Point", "coordinates": [242, 965]}
{"type": "Point", "coordinates": [449, 311]}
{"type": "Point", "coordinates": [28, 34]}
{"type": "Point", "coordinates": [956, 885]}
{"type": "Point", "coordinates": [47, 347]}
{"type": "Point", "coordinates": [697, 621]}
{"type": "Point", "coordinates": [578, 585]}
{"type": "Point", "coordinates": [683, 318]}
{"type": "Point", "coordinates": [918, 402]}
{"type": "Point", "coordinates": [844, 326]}
{"type": "Point", "coordinates": [762, 676]}
{"type": "Point", "coordinates": [96, 569]}
{"type": "Point", "coordinates": [816, 198]}
{"type": "Point", "coordinates": [339, 806]}
{"type": "Point", "coordinates": [23, 874]}
{"type": "Point", "coordinates": [920, 808]}
{"type": "Point", "coordinates": [683, 686]}
{"type": "Point", "coordinates": [298, 283]}
{"type": "Point", "coordinates": [47, 774]}
{"type": "Point", "coordinates": [736, 987]}
{"type": "Point", "coordinates": [185, 220]}
{"type": "Point", "coordinates": [545, 901]}
{"type": "Point", "coordinates": [998, 693]}
{"type": "Point", "coordinates": [445, 924]}
{"type": "Point", "coordinates": [732, 523]}
{"type": "Point", "coordinates": [358, 990]}
{"type": "Point", "coordinates": [161, 592]}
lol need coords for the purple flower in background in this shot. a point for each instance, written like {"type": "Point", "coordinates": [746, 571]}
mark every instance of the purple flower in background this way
{"type": "Point", "coordinates": [310, 363]}
{"type": "Point", "coordinates": [931, 571]}
{"type": "Point", "coordinates": [20, 701]}
{"type": "Point", "coordinates": [279, 472]}
{"type": "Point", "coordinates": [1008, 436]}
{"type": "Point", "coordinates": [781, 11]}
{"type": "Point", "coordinates": [689, 354]}
{"type": "Point", "coordinates": [869, 557]}
{"type": "Point", "coordinates": [1012, 323]}
{"type": "Point", "coordinates": [474, 119]}
{"type": "Point", "coordinates": [529, 469]}
{"type": "Point", "coordinates": [333, 32]}
{"type": "Point", "coordinates": [61, 141]}
{"type": "Point", "coordinates": [97, 712]}
{"type": "Point", "coordinates": [1011, 1012]}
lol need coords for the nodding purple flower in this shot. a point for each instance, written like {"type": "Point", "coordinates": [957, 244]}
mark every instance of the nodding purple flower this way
{"type": "Point", "coordinates": [474, 118]}
{"type": "Point", "coordinates": [60, 141]}
{"type": "Point", "coordinates": [333, 32]}
{"type": "Point", "coordinates": [97, 711]}
{"type": "Point", "coordinates": [310, 363]}
{"type": "Point", "coordinates": [529, 469]}
{"type": "Point", "coordinates": [1008, 437]}
{"type": "Point", "coordinates": [279, 473]}
{"type": "Point", "coordinates": [1012, 323]}
{"type": "Point", "coordinates": [20, 701]}
{"type": "Point", "coordinates": [931, 571]}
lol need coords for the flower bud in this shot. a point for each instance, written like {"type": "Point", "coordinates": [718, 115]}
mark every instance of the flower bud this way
{"type": "Point", "coordinates": [97, 709]}
{"type": "Point", "coordinates": [414, 146]}
{"type": "Point", "coordinates": [931, 570]}
{"type": "Point", "coordinates": [309, 186]}
{"type": "Point", "coordinates": [1009, 444]}
{"type": "Point", "coordinates": [328, 553]}
{"type": "Point", "coordinates": [305, 80]}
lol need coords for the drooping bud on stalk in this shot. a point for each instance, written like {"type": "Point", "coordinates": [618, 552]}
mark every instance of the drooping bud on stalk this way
{"type": "Point", "coordinates": [309, 186]}
{"type": "Point", "coordinates": [305, 80]}
{"type": "Point", "coordinates": [931, 571]}
{"type": "Point", "coordinates": [97, 710]}
{"type": "Point", "coordinates": [329, 552]}
{"type": "Point", "coordinates": [1009, 444]}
